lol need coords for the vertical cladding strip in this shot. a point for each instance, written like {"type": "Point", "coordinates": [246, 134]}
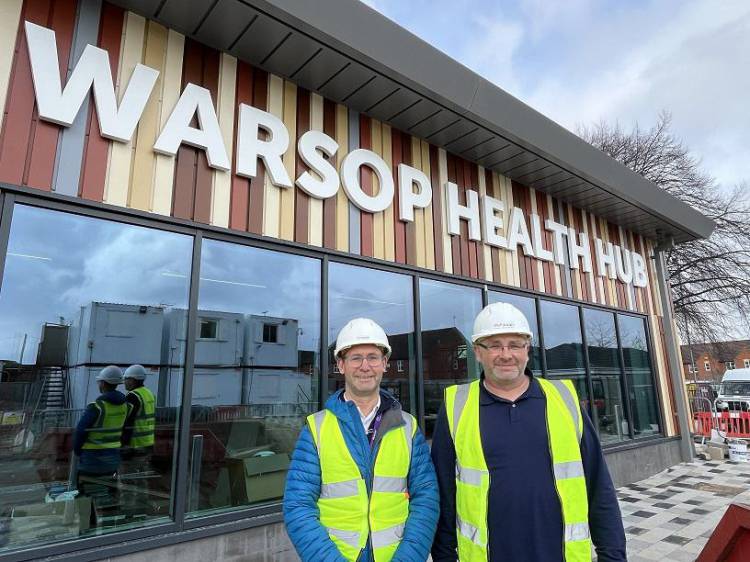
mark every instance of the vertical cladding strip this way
{"type": "Point", "coordinates": [354, 214]}
{"type": "Point", "coordinates": [471, 246]}
{"type": "Point", "coordinates": [637, 294]}
{"type": "Point", "coordinates": [183, 200]}
{"type": "Point", "coordinates": [19, 109]}
{"type": "Point", "coordinates": [96, 148]}
{"type": "Point", "coordinates": [316, 222]}
{"type": "Point", "coordinates": [144, 159]}
{"type": "Point", "coordinates": [204, 174]}
{"type": "Point", "coordinates": [653, 285]}
{"type": "Point", "coordinates": [378, 219]}
{"type": "Point", "coordinates": [171, 81]}
{"type": "Point", "coordinates": [410, 230]}
{"type": "Point", "coordinates": [588, 279]}
{"type": "Point", "coordinates": [668, 400]}
{"type": "Point", "coordinates": [399, 227]}
{"type": "Point", "coordinates": [561, 216]}
{"type": "Point", "coordinates": [510, 256]}
{"type": "Point", "coordinates": [301, 199]}
{"type": "Point", "coordinates": [271, 193]}
{"type": "Point", "coordinates": [525, 279]}
{"type": "Point", "coordinates": [540, 269]}
{"type": "Point", "coordinates": [330, 204]}
{"type": "Point", "coordinates": [67, 174]}
{"type": "Point", "coordinates": [240, 187]}
{"type": "Point", "coordinates": [226, 104]}
{"type": "Point", "coordinates": [419, 222]}
{"type": "Point", "coordinates": [286, 214]}
{"type": "Point", "coordinates": [257, 192]}
{"type": "Point", "coordinates": [442, 170]}
{"type": "Point", "coordinates": [645, 292]}
{"type": "Point", "coordinates": [391, 213]}
{"type": "Point", "coordinates": [499, 273]}
{"type": "Point", "coordinates": [589, 226]}
{"type": "Point", "coordinates": [40, 162]}
{"type": "Point", "coordinates": [10, 17]}
{"type": "Point", "coordinates": [577, 276]}
{"type": "Point", "coordinates": [429, 227]}
{"type": "Point", "coordinates": [437, 207]}
{"type": "Point", "coordinates": [454, 238]}
{"type": "Point", "coordinates": [554, 268]}
{"type": "Point", "coordinates": [625, 290]}
{"type": "Point", "coordinates": [485, 249]}
{"type": "Point", "coordinates": [466, 262]}
{"type": "Point", "coordinates": [342, 201]}
{"type": "Point", "coordinates": [121, 154]}
{"type": "Point", "coordinates": [366, 180]}
{"type": "Point", "coordinates": [609, 284]}
{"type": "Point", "coordinates": [477, 253]}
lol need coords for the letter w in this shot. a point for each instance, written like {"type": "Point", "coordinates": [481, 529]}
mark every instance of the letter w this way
{"type": "Point", "coordinates": [61, 106]}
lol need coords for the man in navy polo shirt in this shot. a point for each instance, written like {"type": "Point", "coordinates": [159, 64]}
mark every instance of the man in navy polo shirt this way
{"type": "Point", "coordinates": [519, 465]}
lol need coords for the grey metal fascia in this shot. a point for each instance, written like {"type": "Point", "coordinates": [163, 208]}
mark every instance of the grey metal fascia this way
{"type": "Point", "coordinates": [365, 35]}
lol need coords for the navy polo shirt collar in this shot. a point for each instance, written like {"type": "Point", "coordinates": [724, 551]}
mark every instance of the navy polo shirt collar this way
{"type": "Point", "coordinates": [486, 398]}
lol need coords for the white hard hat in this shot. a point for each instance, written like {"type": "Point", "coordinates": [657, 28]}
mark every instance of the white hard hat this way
{"type": "Point", "coordinates": [136, 372]}
{"type": "Point", "coordinates": [361, 331]}
{"type": "Point", "coordinates": [111, 374]}
{"type": "Point", "coordinates": [497, 319]}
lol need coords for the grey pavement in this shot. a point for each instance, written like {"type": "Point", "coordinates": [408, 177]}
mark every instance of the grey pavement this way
{"type": "Point", "coordinates": [670, 516]}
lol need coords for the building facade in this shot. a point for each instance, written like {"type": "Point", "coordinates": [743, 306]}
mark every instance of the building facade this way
{"type": "Point", "coordinates": [709, 361]}
{"type": "Point", "coordinates": [213, 189]}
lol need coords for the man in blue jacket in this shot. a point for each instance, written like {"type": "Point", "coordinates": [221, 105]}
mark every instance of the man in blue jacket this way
{"type": "Point", "coordinates": [361, 485]}
{"type": "Point", "coordinates": [521, 471]}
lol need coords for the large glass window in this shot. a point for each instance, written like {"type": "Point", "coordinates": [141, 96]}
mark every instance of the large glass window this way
{"type": "Point", "coordinates": [386, 298]}
{"type": "Point", "coordinates": [563, 345]}
{"type": "Point", "coordinates": [79, 294]}
{"type": "Point", "coordinates": [610, 416]}
{"type": "Point", "coordinates": [255, 375]}
{"type": "Point", "coordinates": [528, 307]}
{"type": "Point", "coordinates": [639, 375]}
{"type": "Point", "coordinates": [447, 313]}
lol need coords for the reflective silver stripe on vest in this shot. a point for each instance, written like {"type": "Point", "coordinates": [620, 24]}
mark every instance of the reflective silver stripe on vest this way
{"type": "Point", "coordinates": [572, 469]}
{"type": "Point", "coordinates": [387, 537]}
{"type": "Point", "coordinates": [345, 489]}
{"type": "Point", "coordinates": [319, 417]}
{"type": "Point", "coordinates": [570, 403]}
{"type": "Point", "coordinates": [389, 484]}
{"type": "Point", "coordinates": [577, 532]}
{"type": "Point", "coordinates": [408, 430]}
{"type": "Point", "coordinates": [468, 530]}
{"type": "Point", "coordinates": [462, 395]}
{"type": "Point", "coordinates": [471, 476]}
{"type": "Point", "coordinates": [349, 537]}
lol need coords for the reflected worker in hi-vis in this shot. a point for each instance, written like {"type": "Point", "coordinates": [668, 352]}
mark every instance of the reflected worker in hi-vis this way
{"type": "Point", "coordinates": [361, 485]}
{"type": "Point", "coordinates": [521, 472]}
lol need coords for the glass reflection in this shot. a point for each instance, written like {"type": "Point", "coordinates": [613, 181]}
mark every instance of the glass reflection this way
{"type": "Point", "coordinates": [610, 416]}
{"type": "Point", "coordinates": [77, 297]}
{"type": "Point", "coordinates": [447, 315]}
{"type": "Point", "coordinates": [639, 375]}
{"type": "Point", "coordinates": [563, 346]}
{"type": "Point", "coordinates": [528, 307]}
{"type": "Point", "coordinates": [255, 377]}
{"type": "Point", "coordinates": [387, 299]}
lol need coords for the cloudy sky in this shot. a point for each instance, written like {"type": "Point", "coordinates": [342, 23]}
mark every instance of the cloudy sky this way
{"type": "Point", "coordinates": [581, 61]}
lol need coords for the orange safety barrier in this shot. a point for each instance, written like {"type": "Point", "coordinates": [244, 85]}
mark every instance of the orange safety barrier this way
{"type": "Point", "coordinates": [728, 424]}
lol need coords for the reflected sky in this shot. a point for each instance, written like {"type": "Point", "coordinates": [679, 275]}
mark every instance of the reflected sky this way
{"type": "Point", "coordinates": [59, 262]}
{"type": "Point", "coordinates": [444, 305]}
{"type": "Point", "coordinates": [237, 278]}
{"type": "Point", "coordinates": [382, 296]}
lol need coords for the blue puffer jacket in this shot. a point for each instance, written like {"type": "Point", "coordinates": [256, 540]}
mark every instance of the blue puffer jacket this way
{"type": "Point", "coordinates": [301, 514]}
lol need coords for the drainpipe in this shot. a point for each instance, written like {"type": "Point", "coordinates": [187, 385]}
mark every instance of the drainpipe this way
{"type": "Point", "coordinates": [687, 451]}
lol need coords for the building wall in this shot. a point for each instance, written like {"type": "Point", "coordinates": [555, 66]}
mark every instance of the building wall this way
{"type": "Point", "coordinates": [77, 161]}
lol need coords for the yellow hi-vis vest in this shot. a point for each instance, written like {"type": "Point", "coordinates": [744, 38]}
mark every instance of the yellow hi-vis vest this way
{"type": "Point", "coordinates": [346, 510]}
{"type": "Point", "coordinates": [564, 428]}
{"type": "Point", "coordinates": [106, 433]}
{"type": "Point", "coordinates": [143, 428]}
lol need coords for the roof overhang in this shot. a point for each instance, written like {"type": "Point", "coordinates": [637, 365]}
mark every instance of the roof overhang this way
{"type": "Point", "coordinates": [351, 54]}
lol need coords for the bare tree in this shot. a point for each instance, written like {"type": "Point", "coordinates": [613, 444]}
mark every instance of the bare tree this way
{"type": "Point", "coordinates": [710, 278]}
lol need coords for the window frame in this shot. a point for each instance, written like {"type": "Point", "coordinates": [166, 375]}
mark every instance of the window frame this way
{"type": "Point", "coordinates": [174, 531]}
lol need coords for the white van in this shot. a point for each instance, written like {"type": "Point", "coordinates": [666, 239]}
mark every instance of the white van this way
{"type": "Point", "coordinates": [734, 392]}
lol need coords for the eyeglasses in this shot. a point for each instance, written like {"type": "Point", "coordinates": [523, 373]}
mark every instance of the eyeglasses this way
{"type": "Point", "coordinates": [372, 360]}
{"type": "Point", "coordinates": [513, 347]}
